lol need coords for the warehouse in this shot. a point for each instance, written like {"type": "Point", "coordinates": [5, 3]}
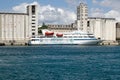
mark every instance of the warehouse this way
{"type": "Point", "coordinates": [102, 28]}
{"type": "Point", "coordinates": [18, 28]}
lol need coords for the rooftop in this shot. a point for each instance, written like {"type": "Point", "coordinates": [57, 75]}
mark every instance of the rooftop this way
{"type": "Point", "coordinates": [101, 18]}
{"type": "Point", "coordinates": [13, 13]}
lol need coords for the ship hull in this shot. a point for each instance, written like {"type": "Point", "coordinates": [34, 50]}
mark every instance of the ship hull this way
{"type": "Point", "coordinates": [64, 41]}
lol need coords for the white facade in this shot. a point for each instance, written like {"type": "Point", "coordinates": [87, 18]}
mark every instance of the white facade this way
{"type": "Point", "coordinates": [103, 28]}
{"type": "Point", "coordinates": [82, 16]}
{"type": "Point", "coordinates": [18, 27]}
{"type": "Point", "coordinates": [13, 27]}
{"type": "Point", "coordinates": [61, 28]}
{"type": "Point", "coordinates": [32, 11]}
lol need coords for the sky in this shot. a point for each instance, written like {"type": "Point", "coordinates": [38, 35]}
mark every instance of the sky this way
{"type": "Point", "coordinates": [63, 11]}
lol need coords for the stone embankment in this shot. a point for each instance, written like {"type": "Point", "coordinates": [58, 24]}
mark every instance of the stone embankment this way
{"type": "Point", "coordinates": [109, 43]}
{"type": "Point", "coordinates": [13, 43]}
{"type": "Point", "coordinates": [25, 43]}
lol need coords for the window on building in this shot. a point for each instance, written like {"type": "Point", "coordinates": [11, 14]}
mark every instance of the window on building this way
{"type": "Point", "coordinates": [33, 23]}
{"type": "Point", "coordinates": [33, 26]}
{"type": "Point", "coordinates": [88, 23]}
{"type": "Point", "coordinates": [33, 33]}
{"type": "Point", "coordinates": [33, 29]}
{"type": "Point", "coordinates": [33, 16]}
{"type": "Point", "coordinates": [33, 9]}
{"type": "Point", "coordinates": [81, 28]}
{"type": "Point", "coordinates": [86, 11]}
{"type": "Point", "coordinates": [33, 19]}
{"type": "Point", "coordinates": [78, 18]}
{"type": "Point", "coordinates": [81, 10]}
{"type": "Point", "coordinates": [86, 14]}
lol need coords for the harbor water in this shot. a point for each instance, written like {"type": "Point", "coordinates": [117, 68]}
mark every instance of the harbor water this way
{"type": "Point", "coordinates": [60, 62]}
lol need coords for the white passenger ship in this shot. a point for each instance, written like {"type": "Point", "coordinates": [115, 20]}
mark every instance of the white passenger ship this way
{"type": "Point", "coordinates": [75, 37]}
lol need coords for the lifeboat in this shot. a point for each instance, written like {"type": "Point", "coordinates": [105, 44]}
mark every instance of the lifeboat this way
{"type": "Point", "coordinates": [59, 34]}
{"type": "Point", "coordinates": [49, 33]}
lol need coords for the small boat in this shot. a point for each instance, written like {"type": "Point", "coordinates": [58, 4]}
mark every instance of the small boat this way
{"type": "Point", "coordinates": [49, 33]}
{"type": "Point", "coordinates": [59, 35]}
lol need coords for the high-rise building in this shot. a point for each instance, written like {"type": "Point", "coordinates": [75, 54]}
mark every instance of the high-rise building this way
{"type": "Point", "coordinates": [82, 17]}
{"type": "Point", "coordinates": [33, 19]}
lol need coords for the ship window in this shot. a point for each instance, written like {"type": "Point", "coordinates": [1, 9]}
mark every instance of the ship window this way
{"type": "Point", "coordinates": [91, 36]}
{"type": "Point", "coordinates": [65, 36]}
{"type": "Point", "coordinates": [75, 36]}
{"type": "Point", "coordinates": [36, 39]}
{"type": "Point", "coordinates": [85, 36]}
{"type": "Point", "coordinates": [80, 36]}
{"type": "Point", "coordinates": [33, 40]}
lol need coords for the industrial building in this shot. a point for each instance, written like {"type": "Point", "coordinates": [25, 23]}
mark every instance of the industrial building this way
{"type": "Point", "coordinates": [102, 28]}
{"type": "Point", "coordinates": [62, 28]}
{"type": "Point", "coordinates": [18, 28]}
{"type": "Point", "coordinates": [82, 17]}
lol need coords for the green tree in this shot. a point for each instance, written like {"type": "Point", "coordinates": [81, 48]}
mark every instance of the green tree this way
{"type": "Point", "coordinates": [42, 27]}
{"type": "Point", "coordinates": [39, 31]}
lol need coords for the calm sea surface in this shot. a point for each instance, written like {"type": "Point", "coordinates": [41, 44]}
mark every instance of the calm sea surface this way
{"type": "Point", "coordinates": [60, 62]}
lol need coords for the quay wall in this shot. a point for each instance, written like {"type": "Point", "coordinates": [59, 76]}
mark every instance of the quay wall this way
{"type": "Point", "coordinates": [110, 43]}
{"type": "Point", "coordinates": [14, 43]}
{"type": "Point", "coordinates": [25, 43]}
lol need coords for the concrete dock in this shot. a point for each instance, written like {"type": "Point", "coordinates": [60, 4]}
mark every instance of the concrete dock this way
{"type": "Point", "coordinates": [110, 43]}
{"type": "Point", "coordinates": [25, 43]}
{"type": "Point", "coordinates": [12, 43]}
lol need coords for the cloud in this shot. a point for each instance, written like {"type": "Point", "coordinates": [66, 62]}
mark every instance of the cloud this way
{"type": "Point", "coordinates": [96, 12]}
{"type": "Point", "coordinates": [56, 15]}
{"type": "Point", "coordinates": [95, 1]}
{"type": "Point", "coordinates": [112, 5]}
{"type": "Point", "coordinates": [113, 14]}
{"type": "Point", "coordinates": [74, 3]}
{"type": "Point", "coordinates": [22, 7]}
{"type": "Point", "coordinates": [49, 14]}
{"type": "Point", "coordinates": [105, 3]}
